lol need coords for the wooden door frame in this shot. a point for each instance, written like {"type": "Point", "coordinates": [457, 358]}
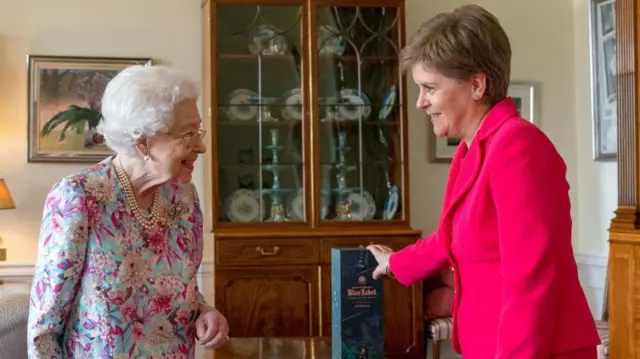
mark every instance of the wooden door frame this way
{"type": "Point", "coordinates": [627, 215]}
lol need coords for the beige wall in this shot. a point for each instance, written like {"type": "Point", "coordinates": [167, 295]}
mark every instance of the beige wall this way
{"type": "Point", "coordinates": [555, 54]}
{"type": "Point", "coordinates": [166, 30]}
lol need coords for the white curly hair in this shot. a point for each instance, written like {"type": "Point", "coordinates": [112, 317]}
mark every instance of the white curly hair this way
{"type": "Point", "coordinates": [139, 102]}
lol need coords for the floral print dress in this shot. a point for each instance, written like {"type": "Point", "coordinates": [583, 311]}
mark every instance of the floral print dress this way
{"type": "Point", "coordinates": [107, 287]}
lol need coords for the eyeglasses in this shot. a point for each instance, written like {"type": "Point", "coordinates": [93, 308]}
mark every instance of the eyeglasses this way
{"type": "Point", "coordinates": [191, 137]}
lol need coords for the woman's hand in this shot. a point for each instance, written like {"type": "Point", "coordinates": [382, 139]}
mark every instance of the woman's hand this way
{"type": "Point", "coordinates": [212, 329]}
{"type": "Point", "coordinates": [382, 254]}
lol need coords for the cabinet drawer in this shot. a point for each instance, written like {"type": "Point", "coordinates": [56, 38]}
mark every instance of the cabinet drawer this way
{"type": "Point", "coordinates": [394, 243]}
{"type": "Point", "coordinates": [265, 251]}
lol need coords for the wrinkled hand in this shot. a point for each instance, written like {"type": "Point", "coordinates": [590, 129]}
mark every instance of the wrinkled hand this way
{"type": "Point", "coordinates": [382, 254]}
{"type": "Point", "coordinates": [212, 329]}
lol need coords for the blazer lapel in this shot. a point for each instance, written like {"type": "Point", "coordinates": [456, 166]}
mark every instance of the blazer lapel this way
{"type": "Point", "coordinates": [454, 170]}
{"type": "Point", "coordinates": [461, 181]}
{"type": "Point", "coordinates": [467, 175]}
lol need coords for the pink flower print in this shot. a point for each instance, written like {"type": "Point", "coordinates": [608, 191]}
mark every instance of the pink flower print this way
{"type": "Point", "coordinates": [183, 316]}
{"type": "Point", "coordinates": [190, 332]}
{"type": "Point", "coordinates": [138, 330]}
{"type": "Point", "coordinates": [174, 356]}
{"type": "Point", "coordinates": [197, 256]}
{"type": "Point", "coordinates": [117, 296]}
{"type": "Point", "coordinates": [110, 340]}
{"type": "Point", "coordinates": [168, 284]}
{"type": "Point", "coordinates": [157, 241]}
{"type": "Point", "coordinates": [163, 304]}
{"type": "Point", "coordinates": [93, 211]}
{"type": "Point", "coordinates": [56, 220]}
{"type": "Point", "coordinates": [128, 311]}
{"type": "Point", "coordinates": [192, 292]}
{"type": "Point", "coordinates": [190, 268]}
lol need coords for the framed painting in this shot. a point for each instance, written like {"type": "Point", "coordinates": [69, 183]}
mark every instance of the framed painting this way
{"type": "Point", "coordinates": [524, 94]}
{"type": "Point", "coordinates": [602, 23]}
{"type": "Point", "coordinates": [64, 98]}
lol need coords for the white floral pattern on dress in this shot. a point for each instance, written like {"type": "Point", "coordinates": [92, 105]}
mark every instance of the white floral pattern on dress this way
{"type": "Point", "coordinates": [104, 287]}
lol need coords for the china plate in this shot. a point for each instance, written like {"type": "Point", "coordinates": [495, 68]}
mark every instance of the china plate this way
{"type": "Point", "coordinates": [244, 205]}
{"type": "Point", "coordinates": [387, 103]}
{"type": "Point", "coordinates": [295, 206]}
{"type": "Point", "coordinates": [353, 105]}
{"type": "Point", "coordinates": [361, 204]}
{"type": "Point", "coordinates": [242, 105]}
{"type": "Point", "coordinates": [293, 104]}
{"type": "Point", "coordinates": [391, 203]}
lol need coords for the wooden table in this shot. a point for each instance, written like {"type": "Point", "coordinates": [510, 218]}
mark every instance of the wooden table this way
{"type": "Point", "coordinates": [275, 348]}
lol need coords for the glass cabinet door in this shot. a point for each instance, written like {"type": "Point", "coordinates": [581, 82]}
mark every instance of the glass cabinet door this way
{"type": "Point", "coordinates": [359, 113]}
{"type": "Point", "coordinates": [259, 104]}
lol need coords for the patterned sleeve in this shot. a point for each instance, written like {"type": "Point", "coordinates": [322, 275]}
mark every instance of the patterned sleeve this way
{"type": "Point", "coordinates": [199, 234]}
{"type": "Point", "coordinates": [61, 252]}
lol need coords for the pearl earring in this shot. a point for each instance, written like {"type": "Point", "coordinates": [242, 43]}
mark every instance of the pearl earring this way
{"type": "Point", "coordinates": [475, 96]}
{"type": "Point", "coordinates": [146, 158]}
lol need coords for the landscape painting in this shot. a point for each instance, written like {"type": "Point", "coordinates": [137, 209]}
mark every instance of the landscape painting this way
{"type": "Point", "coordinates": [64, 98]}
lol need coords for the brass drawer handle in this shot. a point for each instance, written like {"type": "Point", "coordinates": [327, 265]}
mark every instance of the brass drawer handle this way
{"type": "Point", "coordinates": [275, 251]}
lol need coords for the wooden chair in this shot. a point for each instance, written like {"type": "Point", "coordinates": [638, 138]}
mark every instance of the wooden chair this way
{"type": "Point", "coordinates": [437, 330]}
{"type": "Point", "coordinates": [438, 323]}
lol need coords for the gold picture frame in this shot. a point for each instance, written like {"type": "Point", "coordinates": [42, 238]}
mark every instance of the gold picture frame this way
{"type": "Point", "coordinates": [64, 94]}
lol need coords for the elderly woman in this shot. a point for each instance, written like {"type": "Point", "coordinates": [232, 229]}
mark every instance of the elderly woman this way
{"type": "Point", "coordinates": [121, 241]}
{"type": "Point", "coordinates": [505, 225]}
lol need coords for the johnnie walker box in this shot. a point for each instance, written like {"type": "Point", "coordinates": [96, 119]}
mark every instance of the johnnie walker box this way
{"type": "Point", "coordinates": [357, 326]}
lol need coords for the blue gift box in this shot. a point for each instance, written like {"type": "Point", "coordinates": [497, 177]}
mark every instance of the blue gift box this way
{"type": "Point", "coordinates": [357, 305]}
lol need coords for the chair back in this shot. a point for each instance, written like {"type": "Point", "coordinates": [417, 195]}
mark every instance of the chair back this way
{"type": "Point", "coordinates": [14, 315]}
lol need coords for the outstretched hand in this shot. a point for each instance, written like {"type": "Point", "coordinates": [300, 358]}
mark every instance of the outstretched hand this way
{"type": "Point", "coordinates": [382, 254]}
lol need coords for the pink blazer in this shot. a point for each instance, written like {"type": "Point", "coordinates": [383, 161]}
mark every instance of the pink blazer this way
{"type": "Point", "coordinates": [505, 230]}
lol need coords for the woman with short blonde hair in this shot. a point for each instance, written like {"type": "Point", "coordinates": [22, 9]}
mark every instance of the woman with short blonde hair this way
{"type": "Point", "coordinates": [505, 225]}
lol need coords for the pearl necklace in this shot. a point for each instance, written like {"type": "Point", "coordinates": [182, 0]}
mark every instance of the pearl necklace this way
{"type": "Point", "coordinates": [147, 219]}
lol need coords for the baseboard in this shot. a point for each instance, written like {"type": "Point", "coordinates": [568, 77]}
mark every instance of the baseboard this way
{"type": "Point", "coordinates": [17, 272]}
{"type": "Point", "coordinates": [592, 269]}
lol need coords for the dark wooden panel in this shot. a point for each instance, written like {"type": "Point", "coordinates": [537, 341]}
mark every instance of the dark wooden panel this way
{"type": "Point", "coordinates": [275, 302]}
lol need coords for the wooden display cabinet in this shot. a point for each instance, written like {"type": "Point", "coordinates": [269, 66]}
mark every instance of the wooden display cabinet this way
{"type": "Point", "coordinates": [309, 143]}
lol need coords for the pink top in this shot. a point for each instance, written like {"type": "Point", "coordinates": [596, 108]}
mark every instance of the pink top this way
{"type": "Point", "coordinates": [505, 229]}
